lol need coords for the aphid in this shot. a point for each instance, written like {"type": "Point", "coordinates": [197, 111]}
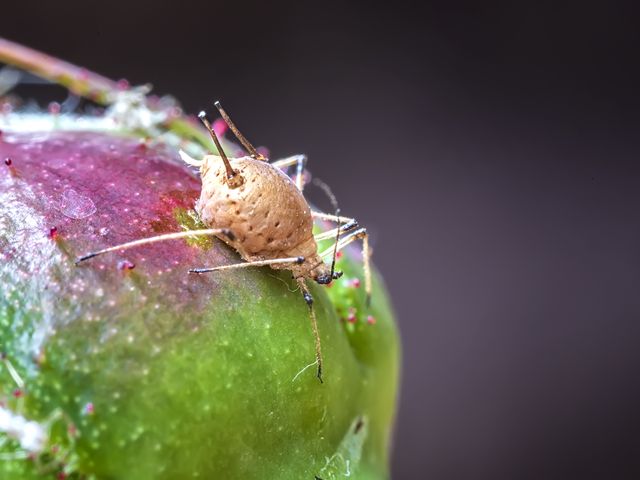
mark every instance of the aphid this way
{"type": "Point", "coordinates": [254, 207]}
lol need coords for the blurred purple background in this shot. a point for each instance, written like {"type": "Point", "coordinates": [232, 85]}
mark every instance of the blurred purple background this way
{"type": "Point", "coordinates": [493, 150]}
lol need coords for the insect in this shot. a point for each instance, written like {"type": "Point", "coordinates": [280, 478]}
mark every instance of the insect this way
{"type": "Point", "coordinates": [253, 206]}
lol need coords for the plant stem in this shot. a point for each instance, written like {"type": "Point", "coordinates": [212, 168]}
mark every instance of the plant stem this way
{"type": "Point", "coordinates": [84, 83]}
{"type": "Point", "coordinates": [78, 80]}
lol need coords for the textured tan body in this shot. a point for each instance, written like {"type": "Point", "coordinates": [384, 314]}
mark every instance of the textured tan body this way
{"type": "Point", "coordinates": [267, 214]}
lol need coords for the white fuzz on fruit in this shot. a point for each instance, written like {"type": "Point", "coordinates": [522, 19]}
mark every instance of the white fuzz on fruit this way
{"type": "Point", "coordinates": [129, 110]}
{"type": "Point", "coordinates": [30, 435]}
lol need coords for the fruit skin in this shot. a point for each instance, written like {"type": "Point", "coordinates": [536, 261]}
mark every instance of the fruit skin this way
{"type": "Point", "coordinates": [154, 373]}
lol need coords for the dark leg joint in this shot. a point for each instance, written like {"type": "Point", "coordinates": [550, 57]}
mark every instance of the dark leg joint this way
{"type": "Point", "coordinates": [308, 298]}
{"type": "Point", "coordinates": [348, 226]}
{"type": "Point", "coordinates": [200, 270]}
{"type": "Point", "coordinates": [84, 257]}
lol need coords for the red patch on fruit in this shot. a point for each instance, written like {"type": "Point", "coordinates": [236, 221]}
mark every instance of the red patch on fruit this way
{"type": "Point", "coordinates": [133, 194]}
{"type": "Point", "coordinates": [371, 320]}
{"type": "Point", "coordinates": [177, 199]}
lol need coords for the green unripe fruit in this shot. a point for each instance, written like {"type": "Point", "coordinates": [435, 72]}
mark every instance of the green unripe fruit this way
{"type": "Point", "coordinates": [151, 373]}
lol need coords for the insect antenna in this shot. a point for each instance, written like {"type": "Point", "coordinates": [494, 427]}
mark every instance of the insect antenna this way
{"type": "Point", "coordinates": [232, 126]}
{"type": "Point", "coordinates": [231, 173]}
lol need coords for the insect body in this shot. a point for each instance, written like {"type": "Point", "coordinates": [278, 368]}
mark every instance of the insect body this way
{"type": "Point", "coordinates": [267, 214]}
{"type": "Point", "coordinates": [254, 207]}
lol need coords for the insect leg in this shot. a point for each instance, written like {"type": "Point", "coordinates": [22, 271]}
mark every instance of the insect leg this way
{"type": "Point", "coordinates": [359, 234]}
{"type": "Point", "coordinates": [259, 263]}
{"type": "Point", "coordinates": [158, 238]}
{"type": "Point", "coordinates": [300, 161]}
{"type": "Point", "coordinates": [331, 218]}
{"type": "Point", "coordinates": [344, 228]}
{"type": "Point", "coordinates": [314, 324]}
{"type": "Point", "coordinates": [346, 224]}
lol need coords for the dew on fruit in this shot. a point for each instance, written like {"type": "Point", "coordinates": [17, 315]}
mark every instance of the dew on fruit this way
{"type": "Point", "coordinates": [76, 206]}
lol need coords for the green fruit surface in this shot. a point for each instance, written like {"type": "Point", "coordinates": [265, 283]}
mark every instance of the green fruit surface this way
{"type": "Point", "coordinates": [153, 373]}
